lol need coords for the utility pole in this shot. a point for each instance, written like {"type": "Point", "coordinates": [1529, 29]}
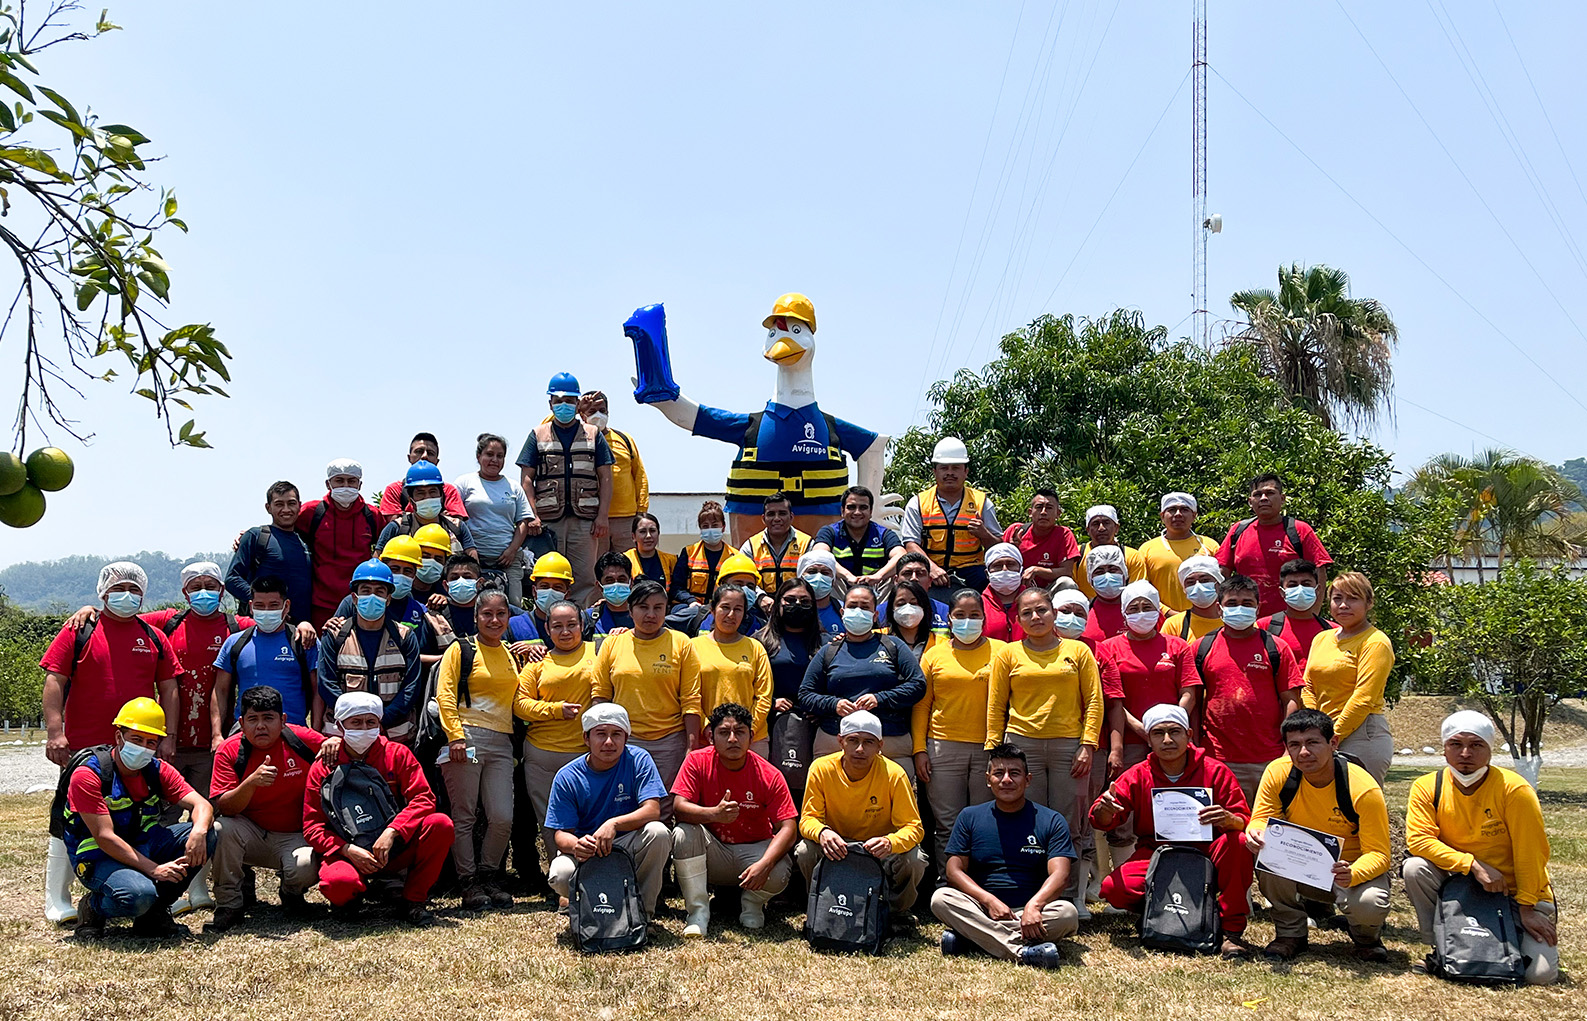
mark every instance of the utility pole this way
{"type": "Point", "coordinates": [1200, 224]}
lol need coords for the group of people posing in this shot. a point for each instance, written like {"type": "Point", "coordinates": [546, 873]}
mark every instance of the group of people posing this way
{"type": "Point", "coordinates": [986, 710]}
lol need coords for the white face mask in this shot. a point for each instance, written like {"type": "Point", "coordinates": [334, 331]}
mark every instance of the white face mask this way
{"type": "Point", "coordinates": [344, 495]}
{"type": "Point", "coordinates": [360, 741]}
{"type": "Point", "coordinates": [1143, 623]}
{"type": "Point", "coordinates": [1003, 582]}
{"type": "Point", "coordinates": [908, 614]}
{"type": "Point", "coordinates": [598, 419]}
{"type": "Point", "coordinates": [1461, 778]}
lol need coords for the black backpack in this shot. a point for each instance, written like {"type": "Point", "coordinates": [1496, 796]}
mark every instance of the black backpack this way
{"type": "Point", "coordinates": [245, 751]}
{"type": "Point", "coordinates": [605, 912]}
{"type": "Point", "coordinates": [245, 638]}
{"type": "Point", "coordinates": [107, 773]}
{"type": "Point", "coordinates": [1475, 935]}
{"type": "Point", "coordinates": [181, 615]}
{"type": "Point", "coordinates": [1347, 808]}
{"type": "Point", "coordinates": [1290, 532]}
{"type": "Point", "coordinates": [1181, 910]}
{"type": "Point", "coordinates": [358, 803]}
{"type": "Point", "coordinates": [848, 907]}
{"type": "Point", "coordinates": [428, 736]}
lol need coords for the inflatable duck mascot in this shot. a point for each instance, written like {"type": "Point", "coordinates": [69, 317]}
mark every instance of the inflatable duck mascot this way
{"type": "Point", "coordinates": [790, 446]}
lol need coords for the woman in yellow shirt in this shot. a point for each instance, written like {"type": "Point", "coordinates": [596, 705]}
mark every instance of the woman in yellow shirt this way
{"type": "Point", "coordinates": [552, 692]}
{"type": "Point", "coordinates": [476, 713]}
{"type": "Point", "coordinates": [734, 668]}
{"type": "Point", "coordinates": [949, 722]}
{"type": "Point", "coordinates": [1346, 673]}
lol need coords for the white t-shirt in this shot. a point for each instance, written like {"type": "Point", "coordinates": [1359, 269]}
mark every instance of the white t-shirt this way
{"type": "Point", "coordinates": [495, 506]}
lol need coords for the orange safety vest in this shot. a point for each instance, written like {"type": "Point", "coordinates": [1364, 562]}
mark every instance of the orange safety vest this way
{"type": "Point", "coordinates": [702, 576]}
{"type": "Point", "coordinates": [774, 569]}
{"type": "Point", "coordinates": [566, 483]}
{"type": "Point", "coordinates": [951, 544]}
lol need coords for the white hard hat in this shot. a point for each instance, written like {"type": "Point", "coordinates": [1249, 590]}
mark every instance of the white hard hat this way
{"type": "Point", "coordinates": [950, 450]}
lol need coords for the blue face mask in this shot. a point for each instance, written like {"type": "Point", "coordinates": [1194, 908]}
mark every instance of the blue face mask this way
{"type": "Point", "coordinates": [135, 756]}
{"type": "Point", "coordinates": [404, 586]}
{"type": "Point", "coordinates": [857, 620]}
{"type": "Point", "coordinates": [1069, 625]}
{"type": "Point", "coordinates": [966, 629]}
{"type": "Point", "coordinates": [430, 571]}
{"type": "Point", "coordinates": [269, 620]}
{"type": "Point", "coordinates": [204, 602]}
{"type": "Point", "coordinates": [1108, 585]}
{"type": "Point", "coordinates": [371, 607]}
{"type": "Point", "coordinates": [1239, 617]}
{"type": "Point", "coordinates": [123, 604]}
{"type": "Point", "coordinates": [564, 413]}
{"type": "Point", "coordinates": [615, 594]}
{"type": "Point", "coordinates": [545, 598]}
{"type": "Point", "coordinates": [462, 590]}
{"type": "Point", "coordinates": [820, 584]}
{"type": "Point", "coordinates": [429, 508]}
{"type": "Point", "coordinates": [1202, 594]}
{"type": "Point", "coordinates": [712, 536]}
{"type": "Point", "coordinates": [1300, 597]}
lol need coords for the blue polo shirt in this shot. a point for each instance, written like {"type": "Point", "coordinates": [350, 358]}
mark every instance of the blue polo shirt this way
{"type": "Point", "coordinates": [1009, 851]}
{"type": "Point", "coordinates": [582, 799]}
{"type": "Point", "coordinates": [786, 434]}
{"type": "Point", "coordinates": [267, 661]}
{"type": "Point", "coordinates": [847, 553]}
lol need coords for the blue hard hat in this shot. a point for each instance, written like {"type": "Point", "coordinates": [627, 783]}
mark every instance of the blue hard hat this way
{"type": "Point", "coordinates": [422, 473]}
{"type": "Point", "coordinates": [373, 570]}
{"type": "Point", "coordinates": [563, 384]}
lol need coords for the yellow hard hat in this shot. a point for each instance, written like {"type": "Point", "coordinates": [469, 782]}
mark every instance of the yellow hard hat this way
{"type": "Point", "coordinates": [552, 565]}
{"type": "Point", "coordinates": [736, 563]}
{"type": "Point", "coordinates": [143, 715]}
{"type": "Point", "coordinates": [405, 548]}
{"type": "Point", "coordinates": [434, 537]}
{"type": "Point", "coordinates": [793, 306]}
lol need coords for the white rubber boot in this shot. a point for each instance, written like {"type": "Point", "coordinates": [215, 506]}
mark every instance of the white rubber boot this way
{"type": "Point", "coordinates": [1103, 865]}
{"type": "Point", "coordinates": [752, 908]}
{"type": "Point", "coordinates": [59, 907]}
{"type": "Point", "coordinates": [197, 895]}
{"type": "Point", "coordinates": [696, 895]}
{"type": "Point", "coordinates": [1082, 882]}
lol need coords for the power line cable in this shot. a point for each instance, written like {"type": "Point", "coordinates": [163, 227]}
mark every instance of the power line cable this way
{"type": "Point", "coordinates": [1540, 105]}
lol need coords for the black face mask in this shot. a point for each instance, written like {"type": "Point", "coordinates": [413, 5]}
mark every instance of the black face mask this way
{"type": "Point", "coordinates": [798, 616]}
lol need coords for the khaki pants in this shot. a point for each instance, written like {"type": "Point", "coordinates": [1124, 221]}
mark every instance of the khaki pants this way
{"type": "Point", "coordinates": [959, 912]}
{"type": "Point", "coordinates": [575, 542]}
{"type": "Point", "coordinates": [620, 534]}
{"type": "Point", "coordinates": [1423, 883]}
{"type": "Point", "coordinates": [903, 872]}
{"type": "Point", "coordinates": [539, 769]}
{"type": "Point", "coordinates": [1365, 905]}
{"type": "Point", "coordinates": [240, 841]}
{"type": "Point", "coordinates": [1249, 776]}
{"type": "Point", "coordinates": [668, 753]}
{"type": "Point", "coordinates": [1051, 785]}
{"type": "Point", "coordinates": [899, 747]}
{"type": "Point", "coordinates": [958, 780]}
{"type": "Point", "coordinates": [650, 847]}
{"type": "Point", "coordinates": [488, 778]}
{"type": "Point", "coordinates": [724, 862]}
{"type": "Point", "coordinates": [1372, 744]}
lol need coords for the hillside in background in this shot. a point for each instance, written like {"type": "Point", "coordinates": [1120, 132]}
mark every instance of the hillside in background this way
{"type": "Point", "coordinates": [65, 584]}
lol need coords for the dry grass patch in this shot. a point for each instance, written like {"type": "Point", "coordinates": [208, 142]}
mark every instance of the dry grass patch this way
{"type": "Point", "coordinates": [520, 964]}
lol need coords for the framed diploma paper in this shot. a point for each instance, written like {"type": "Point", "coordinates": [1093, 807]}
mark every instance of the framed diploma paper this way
{"type": "Point", "coordinates": [1299, 854]}
{"type": "Point", "coordinates": [1175, 811]}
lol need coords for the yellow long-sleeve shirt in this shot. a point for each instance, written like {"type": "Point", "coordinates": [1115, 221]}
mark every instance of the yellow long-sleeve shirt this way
{"type": "Point", "coordinates": [1345, 677]}
{"type": "Point", "coordinates": [1499, 821]}
{"type": "Point", "coordinates": [881, 804]}
{"type": "Point", "coordinates": [656, 680]}
{"type": "Point", "coordinates": [957, 681]}
{"type": "Point", "coordinates": [1134, 566]}
{"type": "Point", "coordinates": [736, 672]}
{"type": "Point", "coordinates": [544, 686]}
{"type": "Point", "coordinates": [630, 484]}
{"type": "Point", "coordinates": [1174, 624]}
{"type": "Point", "coordinates": [1317, 808]}
{"type": "Point", "coordinates": [1055, 693]}
{"type": "Point", "coordinates": [491, 686]}
{"type": "Point", "coordinates": [1163, 557]}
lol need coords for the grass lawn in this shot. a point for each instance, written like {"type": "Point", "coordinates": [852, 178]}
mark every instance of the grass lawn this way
{"type": "Point", "coordinates": [521, 964]}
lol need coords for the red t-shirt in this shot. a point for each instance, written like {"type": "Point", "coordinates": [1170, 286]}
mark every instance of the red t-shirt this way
{"type": "Point", "coordinates": [278, 807]}
{"type": "Point", "coordinates": [85, 797]}
{"type": "Point", "coordinates": [391, 501]}
{"type": "Point", "coordinates": [1150, 672]}
{"type": "Point", "coordinates": [1059, 545]}
{"type": "Point", "coordinates": [1298, 634]}
{"type": "Point", "coordinates": [759, 789]}
{"type": "Point", "coordinates": [1243, 713]}
{"type": "Point", "coordinates": [1263, 550]}
{"type": "Point", "coordinates": [196, 640]}
{"type": "Point", "coordinates": [1105, 620]}
{"type": "Point", "coordinates": [120, 663]}
{"type": "Point", "coordinates": [1002, 622]}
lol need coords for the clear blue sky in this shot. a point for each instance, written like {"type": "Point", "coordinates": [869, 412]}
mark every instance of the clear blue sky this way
{"type": "Point", "coordinates": [408, 216]}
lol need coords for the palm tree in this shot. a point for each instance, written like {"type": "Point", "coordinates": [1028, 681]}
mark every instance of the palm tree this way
{"type": "Point", "coordinates": [1509, 505]}
{"type": "Point", "coordinates": [1328, 350]}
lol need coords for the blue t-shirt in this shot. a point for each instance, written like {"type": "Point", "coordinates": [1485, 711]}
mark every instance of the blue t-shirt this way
{"type": "Point", "coordinates": [268, 551]}
{"type": "Point", "coordinates": [786, 434]}
{"type": "Point", "coordinates": [521, 628]}
{"type": "Point", "coordinates": [267, 660]}
{"type": "Point", "coordinates": [830, 617]}
{"type": "Point", "coordinates": [847, 552]}
{"type": "Point", "coordinates": [788, 666]}
{"type": "Point", "coordinates": [1009, 851]}
{"type": "Point", "coordinates": [878, 666]}
{"type": "Point", "coordinates": [582, 799]}
{"type": "Point", "coordinates": [939, 615]}
{"type": "Point", "coordinates": [605, 620]}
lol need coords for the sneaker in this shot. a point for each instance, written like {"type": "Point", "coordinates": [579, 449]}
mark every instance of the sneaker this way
{"type": "Point", "coordinates": [225, 918]}
{"type": "Point", "coordinates": [954, 945]}
{"type": "Point", "coordinates": [1285, 948]}
{"type": "Point", "coordinates": [1042, 955]}
{"type": "Point", "coordinates": [157, 923]}
{"type": "Point", "coordinates": [90, 923]}
{"type": "Point", "coordinates": [1371, 951]}
{"type": "Point", "coordinates": [417, 914]}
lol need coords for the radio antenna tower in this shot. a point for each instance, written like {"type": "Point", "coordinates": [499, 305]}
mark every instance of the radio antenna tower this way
{"type": "Point", "coordinates": [1201, 225]}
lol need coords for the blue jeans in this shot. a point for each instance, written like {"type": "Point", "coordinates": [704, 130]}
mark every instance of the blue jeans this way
{"type": "Point", "coordinates": [121, 891]}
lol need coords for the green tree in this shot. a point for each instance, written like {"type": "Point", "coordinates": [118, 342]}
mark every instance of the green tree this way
{"type": "Point", "coordinates": [1506, 505]}
{"type": "Point", "coordinates": [1517, 644]}
{"type": "Point", "coordinates": [1110, 411]}
{"type": "Point", "coordinates": [23, 638]}
{"type": "Point", "coordinates": [81, 222]}
{"type": "Point", "coordinates": [1330, 352]}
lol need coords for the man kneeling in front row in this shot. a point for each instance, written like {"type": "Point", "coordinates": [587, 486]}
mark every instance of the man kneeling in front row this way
{"type": "Point", "coordinates": [1008, 864]}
